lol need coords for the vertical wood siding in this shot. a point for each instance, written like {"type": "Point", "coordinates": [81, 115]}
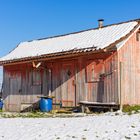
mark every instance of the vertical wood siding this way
{"type": "Point", "coordinates": [129, 56]}
{"type": "Point", "coordinates": [88, 78]}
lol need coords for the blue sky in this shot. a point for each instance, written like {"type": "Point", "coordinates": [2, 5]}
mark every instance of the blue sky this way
{"type": "Point", "coordinates": [22, 20]}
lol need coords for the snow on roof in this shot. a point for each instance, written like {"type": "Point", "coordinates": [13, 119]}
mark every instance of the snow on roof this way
{"type": "Point", "coordinates": [99, 38]}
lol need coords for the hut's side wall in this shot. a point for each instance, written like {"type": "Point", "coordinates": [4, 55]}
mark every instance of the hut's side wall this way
{"type": "Point", "coordinates": [129, 71]}
{"type": "Point", "coordinates": [89, 78]}
{"type": "Point", "coordinates": [19, 91]}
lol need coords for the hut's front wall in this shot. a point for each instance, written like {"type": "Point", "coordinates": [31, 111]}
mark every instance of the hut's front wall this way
{"type": "Point", "coordinates": [129, 71]}
{"type": "Point", "coordinates": [87, 78]}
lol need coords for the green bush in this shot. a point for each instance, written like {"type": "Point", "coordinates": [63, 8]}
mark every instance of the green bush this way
{"type": "Point", "coordinates": [129, 108]}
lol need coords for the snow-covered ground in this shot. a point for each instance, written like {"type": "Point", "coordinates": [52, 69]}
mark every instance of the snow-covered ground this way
{"type": "Point", "coordinates": [102, 127]}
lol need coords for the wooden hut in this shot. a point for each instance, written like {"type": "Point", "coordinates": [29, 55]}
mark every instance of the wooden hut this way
{"type": "Point", "coordinates": [100, 65]}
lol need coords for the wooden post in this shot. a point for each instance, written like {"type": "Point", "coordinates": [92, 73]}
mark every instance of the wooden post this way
{"type": "Point", "coordinates": [50, 82]}
{"type": "Point", "coordinates": [83, 108]}
{"type": "Point", "coordinates": [121, 106]}
{"type": "Point", "coordinates": [111, 109]}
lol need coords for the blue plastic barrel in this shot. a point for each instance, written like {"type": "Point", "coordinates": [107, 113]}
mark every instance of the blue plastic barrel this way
{"type": "Point", "coordinates": [1, 104]}
{"type": "Point", "coordinates": [45, 104]}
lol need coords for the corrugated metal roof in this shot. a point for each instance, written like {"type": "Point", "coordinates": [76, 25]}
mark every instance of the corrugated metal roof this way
{"type": "Point", "coordinates": [94, 38]}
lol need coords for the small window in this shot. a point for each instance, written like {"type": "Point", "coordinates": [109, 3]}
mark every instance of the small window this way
{"type": "Point", "coordinates": [36, 77]}
{"type": "Point", "coordinates": [94, 68]}
{"type": "Point", "coordinates": [138, 36]}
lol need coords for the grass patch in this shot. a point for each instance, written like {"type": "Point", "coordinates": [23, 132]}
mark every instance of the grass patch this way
{"type": "Point", "coordinates": [129, 109]}
{"type": "Point", "coordinates": [38, 114]}
{"type": "Point", "coordinates": [26, 115]}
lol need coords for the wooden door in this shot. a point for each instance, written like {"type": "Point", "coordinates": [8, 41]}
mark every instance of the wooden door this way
{"type": "Point", "coordinates": [15, 93]}
{"type": "Point", "coordinates": [68, 84]}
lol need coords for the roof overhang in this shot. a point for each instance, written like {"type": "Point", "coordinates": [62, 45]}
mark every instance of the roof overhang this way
{"type": "Point", "coordinates": [61, 55]}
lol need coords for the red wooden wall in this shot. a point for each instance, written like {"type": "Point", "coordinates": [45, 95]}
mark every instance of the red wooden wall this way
{"type": "Point", "coordinates": [90, 78]}
{"type": "Point", "coordinates": [129, 56]}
